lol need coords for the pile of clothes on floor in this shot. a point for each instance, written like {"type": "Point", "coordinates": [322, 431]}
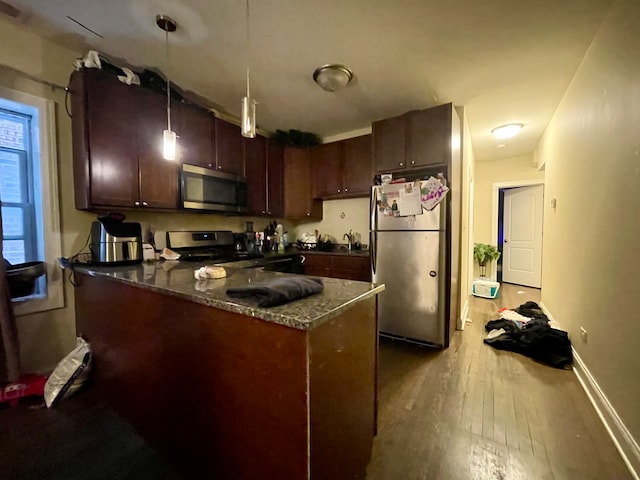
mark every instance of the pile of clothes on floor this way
{"type": "Point", "coordinates": [526, 330]}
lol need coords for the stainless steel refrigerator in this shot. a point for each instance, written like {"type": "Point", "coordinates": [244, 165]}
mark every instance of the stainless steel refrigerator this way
{"type": "Point", "coordinates": [408, 255]}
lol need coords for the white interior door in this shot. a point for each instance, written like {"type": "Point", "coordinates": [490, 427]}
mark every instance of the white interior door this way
{"type": "Point", "coordinates": [522, 247]}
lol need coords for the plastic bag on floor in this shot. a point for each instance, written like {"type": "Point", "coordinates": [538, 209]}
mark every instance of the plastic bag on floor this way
{"type": "Point", "coordinates": [69, 375]}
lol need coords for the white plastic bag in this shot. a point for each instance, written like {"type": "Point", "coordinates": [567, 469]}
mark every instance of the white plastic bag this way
{"type": "Point", "coordinates": [69, 375]}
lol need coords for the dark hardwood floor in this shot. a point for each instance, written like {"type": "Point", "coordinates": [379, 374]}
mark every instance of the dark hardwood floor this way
{"type": "Point", "coordinates": [473, 412]}
{"type": "Point", "coordinates": [468, 412]}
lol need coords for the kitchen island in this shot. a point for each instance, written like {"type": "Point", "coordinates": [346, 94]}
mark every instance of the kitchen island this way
{"type": "Point", "coordinates": [225, 389]}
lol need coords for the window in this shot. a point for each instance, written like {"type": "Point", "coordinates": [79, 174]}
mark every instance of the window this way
{"type": "Point", "coordinates": [29, 193]}
{"type": "Point", "coordinates": [16, 188]}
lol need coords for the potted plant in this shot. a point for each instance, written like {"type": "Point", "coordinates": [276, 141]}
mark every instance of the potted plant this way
{"type": "Point", "coordinates": [484, 254]}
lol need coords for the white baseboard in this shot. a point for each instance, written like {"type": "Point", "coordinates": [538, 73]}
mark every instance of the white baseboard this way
{"type": "Point", "coordinates": [622, 438]}
{"type": "Point", "coordinates": [463, 316]}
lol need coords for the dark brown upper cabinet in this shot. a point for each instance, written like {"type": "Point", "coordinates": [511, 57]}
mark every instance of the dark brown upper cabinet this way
{"type": "Point", "coordinates": [158, 178]}
{"type": "Point", "coordinates": [298, 200]}
{"type": "Point", "coordinates": [264, 173]}
{"type": "Point", "coordinates": [255, 157]}
{"type": "Point", "coordinates": [275, 179]}
{"type": "Point", "coordinates": [228, 147]}
{"type": "Point", "coordinates": [342, 169]}
{"type": "Point", "coordinates": [196, 135]}
{"type": "Point", "coordinates": [429, 134]}
{"type": "Point", "coordinates": [416, 139]}
{"type": "Point", "coordinates": [357, 172]}
{"type": "Point", "coordinates": [117, 145]}
{"type": "Point", "coordinates": [389, 144]}
{"type": "Point", "coordinates": [326, 170]}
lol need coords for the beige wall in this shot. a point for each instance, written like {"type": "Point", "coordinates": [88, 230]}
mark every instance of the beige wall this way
{"type": "Point", "coordinates": [591, 261]}
{"type": "Point", "coordinates": [495, 171]}
{"type": "Point", "coordinates": [46, 337]}
{"type": "Point", "coordinates": [467, 212]}
{"type": "Point", "coordinates": [356, 219]}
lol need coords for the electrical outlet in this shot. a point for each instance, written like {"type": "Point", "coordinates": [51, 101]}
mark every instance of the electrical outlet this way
{"type": "Point", "coordinates": [583, 334]}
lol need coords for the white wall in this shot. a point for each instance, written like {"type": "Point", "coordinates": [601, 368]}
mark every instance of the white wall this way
{"type": "Point", "coordinates": [591, 261]}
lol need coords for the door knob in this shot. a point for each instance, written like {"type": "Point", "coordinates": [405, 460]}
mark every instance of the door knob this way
{"type": "Point", "coordinates": [506, 241]}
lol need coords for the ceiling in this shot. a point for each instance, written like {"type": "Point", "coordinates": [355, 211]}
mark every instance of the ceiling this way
{"type": "Point", "coordinates": [504, 60]}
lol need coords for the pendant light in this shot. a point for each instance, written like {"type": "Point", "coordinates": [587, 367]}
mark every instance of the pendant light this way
{"type": "Point", "coordinates": [248, 120]}
{"type": "Point", "coordinates": [167, 24]}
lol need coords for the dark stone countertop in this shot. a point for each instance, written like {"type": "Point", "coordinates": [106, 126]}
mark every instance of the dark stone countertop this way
{"type": "Point", "coordinates": [177, 279]}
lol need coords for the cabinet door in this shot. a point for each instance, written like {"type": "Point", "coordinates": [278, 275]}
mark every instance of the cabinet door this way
{"type": "Point", "coordinates": [275, 179]}
{"type": "Point", "coordinates": [389, 144]}
{"type": "Point", "coordinates": [158, 178]}
{"type": "Point", "coordinates": [357, 175]}
{"type": "Point", "coordinates": [195, 129]}
{"type": "Point", "coordinates": [351, 268]}
{"type": "Point", "coordinates": [429, 136]}
{"type": "Point", "coordinates": [112, 139]}
{"type": "Point", "coordinates": [255, 156]}
{"type": "Point", "coordinates": [326, 167]}
{"type": "Point", "coordinates": [228, 145]}
{"type": "Point", "coordinates": [319, 265]}
{"type": "Point", "coordinates": [297, 180]}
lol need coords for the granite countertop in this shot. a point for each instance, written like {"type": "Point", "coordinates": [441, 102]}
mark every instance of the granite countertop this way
{"type": "Point", "coordinates": [176, 278]}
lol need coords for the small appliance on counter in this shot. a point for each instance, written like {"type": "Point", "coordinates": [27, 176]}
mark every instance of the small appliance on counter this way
{"type": "Point", "coordinates": [115, 242]}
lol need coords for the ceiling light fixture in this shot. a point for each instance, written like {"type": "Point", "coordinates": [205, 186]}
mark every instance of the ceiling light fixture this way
{"type": "Point", "coordinates": [507, 131]}
{"type": "Point", "coordinates": [248, 120]}
{"type": "Point", "coordinates": [332, 77]}
{"type": "Point", "coordinates": [167, 24]}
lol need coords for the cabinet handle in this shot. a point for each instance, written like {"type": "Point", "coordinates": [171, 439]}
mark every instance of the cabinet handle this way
{"type": "Point", "coordinates": [308, 214]}
{"type": "Point", "coordinates": [413, 162]}
{"type": "Point", "coordinates": [269, 213]}
{"type": "Point", "coordinates": [137, 204]}
{"type": "Point", "coordinates": [346, 190]}
{"type": "Point", "coordinates": [210, 165]}
{"type": "Point", "coordinates": [263, 211]}
{"type": "Point", "coordinates": [219, 167]}
{"type": "Point", "coordinates": [402, 164]}
{"type": "Point", "coordinates": [338, 190]}
{"type": "Point", "coordinates": [144, 204]}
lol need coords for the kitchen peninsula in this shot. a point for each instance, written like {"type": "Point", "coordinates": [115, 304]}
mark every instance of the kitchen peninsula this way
{"type": "Point", "coordinates": [225, 389]}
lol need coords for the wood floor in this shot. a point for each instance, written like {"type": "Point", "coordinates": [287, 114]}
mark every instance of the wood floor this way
{"type": "Point", "coordinates": [467, 412]}
{"type": "Point", "coordinates": [473, 412]}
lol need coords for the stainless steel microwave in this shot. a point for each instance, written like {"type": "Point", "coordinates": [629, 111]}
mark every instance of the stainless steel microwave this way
{"type": "Point", "coordinates": [205, 189]}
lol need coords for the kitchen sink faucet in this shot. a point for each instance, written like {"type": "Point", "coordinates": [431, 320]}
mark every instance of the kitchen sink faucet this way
{"type": "Point", "coordinates": [349, 237]}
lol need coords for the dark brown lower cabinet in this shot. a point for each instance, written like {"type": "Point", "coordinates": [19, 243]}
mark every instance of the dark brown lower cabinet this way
{"type": "Point", "coordinates": [227, 396]}
{"type": "Point", "coordinates": [349, 267]}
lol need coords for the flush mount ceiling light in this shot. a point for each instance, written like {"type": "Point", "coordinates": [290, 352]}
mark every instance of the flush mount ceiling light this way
{"type": "Point", "coordinates": [332, 77]}
{"type": "Point", "coordinates": [507, 131]}
{"type": "Point", "coordinates": [167, 24]}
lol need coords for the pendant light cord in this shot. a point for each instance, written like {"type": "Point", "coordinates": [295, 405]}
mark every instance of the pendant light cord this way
{"type": "Point", "coordinates": [166, 43]}
{"type": "Point", "coordinates": [248, 48]}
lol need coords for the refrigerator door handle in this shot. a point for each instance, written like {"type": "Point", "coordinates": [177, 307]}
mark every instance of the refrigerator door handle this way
{"type": "Point", "coordinates": [372, 252]}
{"type": "Point", "coordinates": [373, 209]}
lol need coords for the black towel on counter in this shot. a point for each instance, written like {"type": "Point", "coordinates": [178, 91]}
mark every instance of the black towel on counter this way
{"type": "Point", "coordinates": [278, 291]}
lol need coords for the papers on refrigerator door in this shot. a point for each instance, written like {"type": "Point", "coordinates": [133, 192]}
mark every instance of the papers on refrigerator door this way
{"type": "Point", "coordinates": [409, 203]}
{"type": "Point", "coordinates": [432, 193]}
{"type": "Point", "coordinates": [400, 200]}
